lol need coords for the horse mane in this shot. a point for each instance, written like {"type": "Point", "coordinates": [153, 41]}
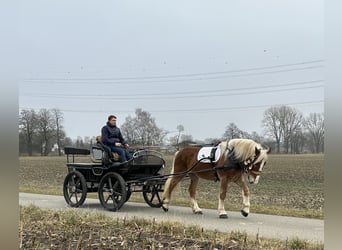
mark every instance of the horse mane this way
{"type": "Point", "coordinates": [243, 148]}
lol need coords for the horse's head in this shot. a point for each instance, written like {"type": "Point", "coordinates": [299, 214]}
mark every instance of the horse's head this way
{"type": "Point", "coordinates": [254, 167]}
{"type": "Point", "coordinates": [250, 156]}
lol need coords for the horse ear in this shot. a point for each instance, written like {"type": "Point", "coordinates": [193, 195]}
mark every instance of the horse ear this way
{"type": "Point", "coordinates": [268, 150]}
{"type": "Point", "coordinates": [257, 151]}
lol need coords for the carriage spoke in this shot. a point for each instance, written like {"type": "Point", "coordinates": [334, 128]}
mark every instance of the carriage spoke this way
{"type": "Point", "coordinates": [70, 196]}
{"type": "Point", "coordinates": [76, 197]}
{"type": "Point", "coordinates": [72, 179]}
{"type": "Point", "coordinates": [117, 193]}
{"type": "Point", "coordinates": [78, 182]}
{"type": "Point", "coordinates": [115, 185]}
{"type": "Point", "coordinates": [152, 197]}
{"type": "Point", "coordinates": [158, 196]}
{"type": "Point", "coordinates": [106, 201]}
{"type": "Point", "coordinates": [110, 183]}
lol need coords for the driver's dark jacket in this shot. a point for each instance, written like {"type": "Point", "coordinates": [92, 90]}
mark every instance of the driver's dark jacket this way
{"type": "Point", "coordinates": [111, 134]}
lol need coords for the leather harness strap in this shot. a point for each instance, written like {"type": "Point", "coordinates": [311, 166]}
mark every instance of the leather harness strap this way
{"type": "Point", "coordinates": [232, 163]}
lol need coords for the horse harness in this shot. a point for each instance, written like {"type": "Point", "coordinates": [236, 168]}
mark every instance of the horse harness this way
{"type": "Point", "coordinates": [232, 163]}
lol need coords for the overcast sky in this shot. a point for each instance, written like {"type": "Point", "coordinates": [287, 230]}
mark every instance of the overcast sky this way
{"type": "Point", "coordinates": [202, 64]}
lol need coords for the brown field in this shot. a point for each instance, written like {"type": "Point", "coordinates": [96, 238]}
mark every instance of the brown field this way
{"type": "Point", "coordinates": [290, 185]}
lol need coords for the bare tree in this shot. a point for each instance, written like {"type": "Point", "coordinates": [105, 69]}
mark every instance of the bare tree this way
{"type": "Point", "coordinates": [232, 131]}
{"type": "Point", "coordinates": [255, 137]}
{"type": "Point", "coordinates": [142, 129]}
{"type": "Point", "coordinates": [128, 128]}
{"type": "Point", "coordinates": [180, 129]}
{"type": "Point", "coordinates": [314, 124]}
{"type": "Point", "coordinates": [175, 140]}
{"type": "Point", "coordinates": [291, 121]}
{"type": "Point", "coordinates": [211, 140]}
{"type": "Point", "coordinates": [273, 125]}
{"type": "Point", "coordinates": [298, 141]}
{"type": "Point", "coordinates": [282, 123]}
{"type": "Point", "coordinates": [58, 119]}
{"type": "Point", "coordinates": [27, 127]}
{"type": "Point", "coordinates": [46, 130]}
{"type": "Point", "coordinates": [67, 141]}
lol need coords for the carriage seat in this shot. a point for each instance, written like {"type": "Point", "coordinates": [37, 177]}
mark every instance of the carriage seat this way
{"type": "Point", "coordinates": [103, 152]}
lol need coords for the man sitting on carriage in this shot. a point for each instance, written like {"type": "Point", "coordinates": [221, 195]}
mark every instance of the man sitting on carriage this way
{"type": "Point", "coordinates": [111, 136]}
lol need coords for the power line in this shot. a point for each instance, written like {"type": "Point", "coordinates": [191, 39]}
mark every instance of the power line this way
{"type": "Point", "coordinates": [195, 110]}
{"type": "Point", "coordinates": [193, 92]}
{"type": "Point", "coordinates": [172, 97]}
{"type": "Point", "coordinates": [112, 82]}
{"type": "Point", "coordinates": [163, 78]}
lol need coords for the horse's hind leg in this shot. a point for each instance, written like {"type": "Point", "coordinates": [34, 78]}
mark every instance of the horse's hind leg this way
{"type": "Point", "coordinates": [170, 184]}
{"type": "Point", "coordinates": [192, 191]}
{"type": "Point", "coordinates": [245, 197]}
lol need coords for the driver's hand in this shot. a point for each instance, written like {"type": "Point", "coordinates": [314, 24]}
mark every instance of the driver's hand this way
{"type": "Point", "coordinates": [126, 145]}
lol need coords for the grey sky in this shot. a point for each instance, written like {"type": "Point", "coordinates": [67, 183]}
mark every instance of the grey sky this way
{"type": "Point", "coordinates": [94, 58]}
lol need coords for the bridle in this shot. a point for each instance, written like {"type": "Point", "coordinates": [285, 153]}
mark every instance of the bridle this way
{"type": "Point", "coordinates": [247, 165]}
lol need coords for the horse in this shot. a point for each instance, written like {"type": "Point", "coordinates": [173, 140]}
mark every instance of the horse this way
{"type": "Point", "coordinates": [236, 159]}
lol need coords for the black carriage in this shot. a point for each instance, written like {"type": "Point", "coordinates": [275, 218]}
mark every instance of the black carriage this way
{"type": "Point", "coordinates": [113, 181]}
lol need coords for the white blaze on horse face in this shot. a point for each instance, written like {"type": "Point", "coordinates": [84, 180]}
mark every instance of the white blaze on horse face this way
{"type": "Point", "coordinates": [256, 181]}
{"type": "Point", "coordinates": [250, 178]}
{"type": "Point", "coordinates": [261, 166]}
{"type": "Point", "coordinates": [263, 156]}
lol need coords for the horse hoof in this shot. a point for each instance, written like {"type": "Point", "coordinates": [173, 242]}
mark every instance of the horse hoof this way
{"type": "Point", "coordinates": [244, 213]}
{"type": "Point", "coordinates": [198, 212]}
{"type": "Point", "coordinates": [165, 209]}
{"type": "Point", "coordinates": [223, 216]}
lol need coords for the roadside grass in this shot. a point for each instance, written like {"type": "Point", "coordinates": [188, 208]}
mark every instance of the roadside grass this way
{"type": "Point", "coordinates": [75, 229]}
{"type": "Point", "coordinates": [290, 185]}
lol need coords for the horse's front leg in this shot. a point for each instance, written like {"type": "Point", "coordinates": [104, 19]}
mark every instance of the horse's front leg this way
{"type": "Point", "coordinates": [222, 197]}
{"type": "Point", "coordinates": [245, 197]}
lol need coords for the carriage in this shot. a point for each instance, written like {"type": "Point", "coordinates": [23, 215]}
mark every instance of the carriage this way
{"type": "Point", "coordinates": [113, 181]}
{"type": "Point", "coordinates": [228, 161]}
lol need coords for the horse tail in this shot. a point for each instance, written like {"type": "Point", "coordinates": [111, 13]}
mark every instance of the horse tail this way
{"type": "Point", "coordinates": [173, 163]}
{"type": "Point", "coordinates": [168, 181]}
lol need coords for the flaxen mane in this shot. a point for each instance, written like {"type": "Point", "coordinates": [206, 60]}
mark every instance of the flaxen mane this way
{"type": "Point", "coordinates": [223, 146]}
{"type": "Point", "coordinates": [243, 148]}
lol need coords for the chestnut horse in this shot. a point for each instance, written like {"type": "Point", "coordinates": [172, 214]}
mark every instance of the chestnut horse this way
{"type": "Point", "coordinates": [238, 157]}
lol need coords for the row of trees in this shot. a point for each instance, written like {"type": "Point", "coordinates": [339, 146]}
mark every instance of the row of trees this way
{"type": "Point", "coordinates": [41, 131]}
{"type": "Point", "coordinates": [293, 132]}
{"type": "Point", "coordinates": [286, 130]}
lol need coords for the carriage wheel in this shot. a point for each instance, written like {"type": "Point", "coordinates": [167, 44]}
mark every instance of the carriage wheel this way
{"type": "Point", "coordinates": [75, 189]}
{"type": "Point", "coordinates": [153, 195]}
{"type": "Point", "coordinates": [112, 191]}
